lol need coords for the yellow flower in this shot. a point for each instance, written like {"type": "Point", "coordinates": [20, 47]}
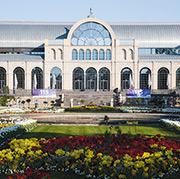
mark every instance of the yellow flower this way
{"type": "Point", "coordinates": [158, 154]}
{"type": "Point", "coordinates": [116, 162]}
{"type": "Point", "coordinates": [99, 155]}
{"type": "Point", "coordinates": [122, 176]}
{"type": "Point", "coordinates": [127, 163]}
{"type": "Point", "coordinates": [146, 155]}
{"type": "Point", "coordinates": [89, 154]}
{"type": "Point", "coordinates": [39, 152]}
{"type": "Point", "coordinates": [127, 157]}
{"type": "Point", "coordinates": [154, 146]}
{"type": "Point", "coordinates": [59, 152]}
{"type": "Point", "coordinates": [139, 164]}
{"type": "Point", "coordinates": [168, 152]}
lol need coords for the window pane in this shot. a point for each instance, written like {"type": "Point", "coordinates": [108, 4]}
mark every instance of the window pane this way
{"type": "Point", "coordinates": [101, 54]}
{"type": "Point", "coordinates": [88, 54]}
{"type": "Point", "coordinates": [95, 54]}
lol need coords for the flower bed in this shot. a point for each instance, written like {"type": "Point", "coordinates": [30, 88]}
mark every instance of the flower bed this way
{"type": "Point", "coordinates": [171, 124]}
{"type": "Point", "coordinates": [92, 108]}
{"type": "Point", "coordinates": [15, 127]}
{"type": "Point", "coordinates": [122, 156]}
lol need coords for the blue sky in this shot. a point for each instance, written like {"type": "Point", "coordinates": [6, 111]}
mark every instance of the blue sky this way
{"type": "Point", "coordinates": [107, 10]}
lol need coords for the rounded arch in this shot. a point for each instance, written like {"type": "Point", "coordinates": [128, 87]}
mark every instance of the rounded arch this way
{"type": "Point", "coordinates": [2, 77]}
{"type": "Point", "coordinates": [145, 78]}
{"type": "Point", "coordinates": [178, 78]}
{"type": "Point", "coordinates": [56, 78]}
{"type": "Point", "coordinates": [91, 20]}
{"type": "Point", "coordinates": [124, 54]}
{"type": "Point", "coordinates": [126, 78]}
{"type": "Point", "coordinates": [37, 78]}
{"type": "Point", "coordinates": [53, 53]}
{"type": "Point", "coordinates": [131, 54]}
{"type": "Point", "coordinates": [104, 79]}
{"type": "Point", "coordinates": [61, 54]}
{"type": "Point", "coordinates": [18, 78]}
{"type": "Point", "coordinates": [78, 79]}
{"type": "Point", "coordinates": [163, 78]}
{"type": "Point", "coordinates": [91, 79]}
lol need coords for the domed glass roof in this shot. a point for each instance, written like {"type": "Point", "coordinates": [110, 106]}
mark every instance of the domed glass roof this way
{"type": "Point", "coordinates": [91, 34]}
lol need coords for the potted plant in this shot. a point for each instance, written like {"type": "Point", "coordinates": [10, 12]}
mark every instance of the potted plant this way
{"type": "Point", "coordinates": [82, 101]}
{"type": "Point", "coordinates": [28, 101]}
{"type": "Point", "coordinates": [23, 102]}
{"type": "Point", "coordinates": [62, 103]}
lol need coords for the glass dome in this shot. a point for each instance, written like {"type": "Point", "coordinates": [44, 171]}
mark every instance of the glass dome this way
{"type": "Point", "coordinates": [91, 34]}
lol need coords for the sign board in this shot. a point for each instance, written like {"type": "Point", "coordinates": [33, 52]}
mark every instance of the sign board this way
{"type": "Point", "coordinates": [44, 93]}
{"type": "Point", "coordinates": [138, 93]}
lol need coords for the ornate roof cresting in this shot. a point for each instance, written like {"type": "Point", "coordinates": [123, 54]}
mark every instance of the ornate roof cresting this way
{"type": "Point", "coordinates": [90, 13]}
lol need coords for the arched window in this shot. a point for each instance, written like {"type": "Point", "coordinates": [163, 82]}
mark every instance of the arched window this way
{"type": "Point", "coordinates": [81, 54]}
{"type": "Point", "coordinates": [56, 78]}
{"type": "Point", "coordinates": [163, 78]}
{"type": "Point", "coordinates": [74, 54]}
{"type": "Point", "coordinates": [108, 54]}
{"type": "Point", "coordinates": [37, 78]}
{"type": "Point", "coordinates": [101, 54]}
{"type": "Point", "coordinates": [124, 54]}
{"type": "Point", "coordinates": [131, 54]}
{"type": "Point", "coordinates": [61, 54]}
{"type": "Point", "coordinates": [104, 79]}
{"type": "Point", "coordinates": [2, 77]}
{"type": "Point", "coordinates": [18, 78]}
{"type": "Point", "coordinates": [91, 79]}
{"type": "Point", "coordinates": [88, 54]}
{"type": "Point", "coordinates": [95, 54]}
{"type": "Point", "coordinates": [145, 78]}
{"type": "Point", "coordinates": [126, 78]}
{"type": "Point", "coordinates": [91, 34]}
{"type": "Point", "coordinates": [178, 78]}
{"type": "Point", "coordinates": [78, 79]}
{"type": "Point", "coordinates": [54, 54]}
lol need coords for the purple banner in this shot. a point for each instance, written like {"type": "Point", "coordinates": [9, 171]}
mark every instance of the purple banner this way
{"type": "Point", "coordinates": [44, 92]}
{"type": "Point", "coordinates": [138, 93]}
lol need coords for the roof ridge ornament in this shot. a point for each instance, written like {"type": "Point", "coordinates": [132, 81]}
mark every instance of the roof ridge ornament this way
{"type": "Point", "coordinates": [90, 13]}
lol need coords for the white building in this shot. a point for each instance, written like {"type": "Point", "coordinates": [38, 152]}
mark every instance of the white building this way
{"type": "Point", "coordinates": [90, 55]}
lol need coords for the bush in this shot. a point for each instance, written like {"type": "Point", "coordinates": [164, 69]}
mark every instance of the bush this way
{"type": "Point", "coordinates": [5, 89]}
{"type": "Point", "coordinates": [4, 99]}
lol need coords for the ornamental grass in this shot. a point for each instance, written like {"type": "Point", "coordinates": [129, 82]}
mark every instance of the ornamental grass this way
{"type": "Point", "coordinates": [116, 156]}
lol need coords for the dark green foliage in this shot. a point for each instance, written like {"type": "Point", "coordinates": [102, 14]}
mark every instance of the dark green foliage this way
{"type": "Point", "coordinates": [5, 89]}
{"type": "Point", "coordinates": [4, 99]}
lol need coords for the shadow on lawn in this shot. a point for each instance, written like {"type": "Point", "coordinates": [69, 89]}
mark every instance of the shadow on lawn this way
{"type": "Point", "coordinates": [51, 135]}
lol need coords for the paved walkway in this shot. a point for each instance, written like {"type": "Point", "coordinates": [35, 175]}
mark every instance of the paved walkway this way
{"type": "Point", "coordinates": [93, 118]}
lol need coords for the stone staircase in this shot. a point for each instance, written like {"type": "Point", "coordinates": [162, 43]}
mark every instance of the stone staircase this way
{"type": "Point", "coordinates": [97, 97]}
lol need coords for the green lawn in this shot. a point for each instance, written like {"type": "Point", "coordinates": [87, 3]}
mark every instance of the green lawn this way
{"type": "Point", "coordinates": [53, 131]}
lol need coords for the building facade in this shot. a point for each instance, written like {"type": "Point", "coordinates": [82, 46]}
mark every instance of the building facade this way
{"type": "Point", "coordinates": [89, 55]}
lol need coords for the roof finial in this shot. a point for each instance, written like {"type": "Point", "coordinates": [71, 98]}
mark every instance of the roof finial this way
{"type": "Point", "coordinates": [91, 13]}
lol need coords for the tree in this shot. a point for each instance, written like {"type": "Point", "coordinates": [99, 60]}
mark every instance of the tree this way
{"type": "Point", "coordinates": [82, 101]}
{"type": "Point", "coordinates": [52, 103]}
{"type": "Point", "coordinates": [28, 101]}
{"type": "Point", "coordinates": [45, 102]}
{"type": "Point", "coordinates": [23, 102]}
{"type": "Point", "coordinates": [4, 99]}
